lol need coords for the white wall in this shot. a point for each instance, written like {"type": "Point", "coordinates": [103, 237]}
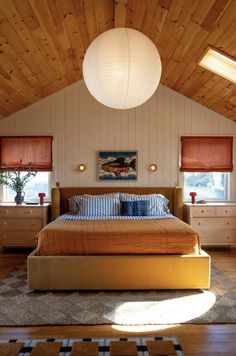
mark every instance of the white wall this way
{"type": "Point", "coordinates": [81, 127]}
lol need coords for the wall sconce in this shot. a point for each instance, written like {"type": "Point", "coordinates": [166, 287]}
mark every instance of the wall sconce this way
{"type": "Point", "coordinates": [152, 167]}
{"type": "Point", "coordinates": [81, 167]}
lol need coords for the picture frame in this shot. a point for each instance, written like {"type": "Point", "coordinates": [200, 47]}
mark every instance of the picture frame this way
{"type": "Point", "coordinates": [117, 165]}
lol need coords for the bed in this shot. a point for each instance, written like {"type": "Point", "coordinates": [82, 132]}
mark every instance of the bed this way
{"type": "Point", "coordinates": [107, 271]}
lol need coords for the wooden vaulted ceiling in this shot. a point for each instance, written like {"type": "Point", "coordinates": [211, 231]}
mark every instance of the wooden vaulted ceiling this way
{"type": "Point", "coordinates": [43, 42]}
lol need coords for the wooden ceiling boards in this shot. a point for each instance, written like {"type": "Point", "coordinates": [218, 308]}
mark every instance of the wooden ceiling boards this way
{"type": "Point", "coordinates": [43, 42]}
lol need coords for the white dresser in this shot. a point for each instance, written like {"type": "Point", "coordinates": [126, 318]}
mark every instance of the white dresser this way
{"type": "Point", "coordinates": [19, 224]}
{"type": "Point", "coordinates": [215, 222]}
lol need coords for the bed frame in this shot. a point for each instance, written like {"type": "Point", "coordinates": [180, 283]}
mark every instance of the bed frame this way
{"type": "Point", "coordinates": [118, 271]}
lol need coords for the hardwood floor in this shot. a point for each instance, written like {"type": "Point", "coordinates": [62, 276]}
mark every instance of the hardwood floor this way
{"type": "Point", "coordinates": [196, 340]}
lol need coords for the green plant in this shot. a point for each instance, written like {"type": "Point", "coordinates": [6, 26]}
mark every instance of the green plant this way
{"type": "Point", "coordinates": [16, 177]}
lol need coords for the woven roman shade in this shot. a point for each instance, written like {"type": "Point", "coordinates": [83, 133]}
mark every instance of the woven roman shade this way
{"type": "Point", "coordinates": [19, 151]}
{"type": "Point", "coordinates": [206, 154]}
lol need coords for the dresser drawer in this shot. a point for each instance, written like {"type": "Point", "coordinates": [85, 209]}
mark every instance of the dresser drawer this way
{"type": "Point", "coordinates": [203, 211]}
{"type": "Point", "coordinates": [212, 223]}
{"type": "Point", "coordinates": [8, 212]}
{"type": "Point", "coordinates": [15, 238]}
{"type": "Point", "coordinates": [226, 211]}
{"type": "Point", "coordinates": [30, 212]}
{"type": "Point", "coordinates": [229, 236]}
{"type": "Point", "coordinates": [8, 224]}
{"type": "Point", "coordinates": [15, 211]}
{"type": "Point", "coordinates": [218, 236]}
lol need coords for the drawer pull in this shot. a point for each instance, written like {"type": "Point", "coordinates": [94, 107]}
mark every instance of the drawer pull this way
{"type": "Point", "coordinates": [29, 212]}
{"type": "Point", "coordinates": [200, 223]}
{"type": "Point", "coordinates": [4, 212]}
{"type": "Point", "coordinates": [226, 211]}
{"type": "Point", "coordinates": [228, 223]}
{"type": "Point", "coordinates": [4, 223]}
{"type": "Point", "coordinates": [202, 211]}
{"type": "Point", "coordinates": [227, 237]}
{"type": "Point", "coordinates": [4, 237]}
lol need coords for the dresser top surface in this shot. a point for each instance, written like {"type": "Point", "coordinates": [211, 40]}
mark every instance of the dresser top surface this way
{"type": "Point", "coordinates": [212, 204]}
{"type": "Point", "coordinates": [13, 205]}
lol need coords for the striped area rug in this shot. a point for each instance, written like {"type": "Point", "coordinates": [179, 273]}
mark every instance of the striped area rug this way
{"type": "Point", "coordinates": [156, 346]}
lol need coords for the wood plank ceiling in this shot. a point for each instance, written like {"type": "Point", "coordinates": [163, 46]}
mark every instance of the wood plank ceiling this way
{"type": "Point", "coordinates": [42, 45]}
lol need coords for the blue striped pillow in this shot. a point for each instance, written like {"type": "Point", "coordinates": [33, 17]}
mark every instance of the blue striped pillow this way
{"type": "Point", "coordinates": [158, 204]}
{"type": "Point", "coordinates": [75, 200]}
{"type": "Point", "coordinates": [135, 208]}
{"type": "Point", "coordinates": [99, 206]}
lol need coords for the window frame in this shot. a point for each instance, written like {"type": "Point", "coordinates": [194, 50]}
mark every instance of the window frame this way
{"type": "Point", "coordinates": [210, 200]}
{"type": "Point", "coordinates": [3, 190]}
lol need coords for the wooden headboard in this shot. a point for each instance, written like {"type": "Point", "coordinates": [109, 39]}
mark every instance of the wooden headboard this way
{"type": "Point", "coordinates": [60, 196]}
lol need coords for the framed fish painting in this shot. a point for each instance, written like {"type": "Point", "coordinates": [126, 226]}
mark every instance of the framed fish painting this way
{"type": "Point", "coordinates": [117, 165]}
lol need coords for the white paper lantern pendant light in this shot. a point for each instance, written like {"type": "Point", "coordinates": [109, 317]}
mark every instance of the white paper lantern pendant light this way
{"type": "Point", "coordinates": [122, 68]}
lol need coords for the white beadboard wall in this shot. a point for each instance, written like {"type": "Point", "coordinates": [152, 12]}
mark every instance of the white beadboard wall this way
{"type": "Point", "coordinates": [81, 127]}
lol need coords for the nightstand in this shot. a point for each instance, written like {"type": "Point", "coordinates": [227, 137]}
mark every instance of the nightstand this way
{"type": "Point", "coordinates": [215, 222]}
{"type": "Point", "coordinates": [19, 224]}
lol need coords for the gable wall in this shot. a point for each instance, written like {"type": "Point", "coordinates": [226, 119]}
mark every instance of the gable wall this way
{"type": "Point", "coordinates": [81, 127]}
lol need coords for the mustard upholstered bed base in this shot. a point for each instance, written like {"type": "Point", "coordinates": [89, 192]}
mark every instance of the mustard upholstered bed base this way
{"type": "Point", "coordinates": [118, 272]}
{"type": "Point", "coordinates": [122, 271]}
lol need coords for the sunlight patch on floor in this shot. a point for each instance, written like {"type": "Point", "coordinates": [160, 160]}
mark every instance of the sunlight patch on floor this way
{"type": "Point", "coordinates": [169, 311]}
{"type": "Point", "coordinates": [142, 328]}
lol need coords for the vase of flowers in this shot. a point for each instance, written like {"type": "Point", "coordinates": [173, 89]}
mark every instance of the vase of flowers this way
{"type": "Point", "coordinates": [16, 178]}
{"type": "Point", "coordinates": [19, 198]}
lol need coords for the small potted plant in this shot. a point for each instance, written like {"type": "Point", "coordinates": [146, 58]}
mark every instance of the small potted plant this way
{"type": "Point", "coordinates": [16, 178]}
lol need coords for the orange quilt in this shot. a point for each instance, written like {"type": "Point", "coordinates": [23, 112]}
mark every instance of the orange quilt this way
{"type": "Point", "coordinates": [116, 237]}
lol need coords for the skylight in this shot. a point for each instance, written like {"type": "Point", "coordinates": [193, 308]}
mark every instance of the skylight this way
{"type": "Point", "coordinates": [219, 64]}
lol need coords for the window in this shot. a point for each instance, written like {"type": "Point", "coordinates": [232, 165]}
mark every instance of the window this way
{"type": "Point", "coordinates": [16, 152]}
{"type": "Point", "coordinates": [38, 184]}
{"type": "Point", "coordinates": [206, 163]}
{"type": "Point", "coordinates": [207, 185]}
{"type": "Point", "coordinates": [220, 64]}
